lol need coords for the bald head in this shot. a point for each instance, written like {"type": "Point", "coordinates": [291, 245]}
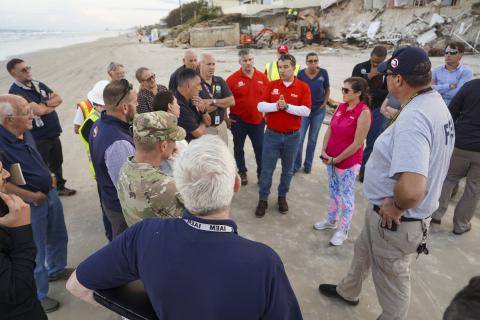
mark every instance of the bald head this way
{"type": "Point", "coordinates": [190, 59]}
{"type": "Point", "coordinates": [207, 65]}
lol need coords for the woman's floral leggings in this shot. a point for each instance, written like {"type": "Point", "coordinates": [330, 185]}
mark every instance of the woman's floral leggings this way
{"type": "Point", "coordinates": [341, 183]}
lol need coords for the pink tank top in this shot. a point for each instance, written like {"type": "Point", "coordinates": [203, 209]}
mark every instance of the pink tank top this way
{"type": "Point", "coordinates": [343, 126]}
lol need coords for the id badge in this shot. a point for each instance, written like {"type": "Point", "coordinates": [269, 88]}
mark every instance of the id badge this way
{"type": "Point", "coordinates": [38, 122]}
{"type": "Point", "coordinates": [217, 120]}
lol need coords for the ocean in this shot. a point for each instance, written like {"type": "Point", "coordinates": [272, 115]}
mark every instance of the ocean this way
{"type": "Point", "coordinates": [17, 42]}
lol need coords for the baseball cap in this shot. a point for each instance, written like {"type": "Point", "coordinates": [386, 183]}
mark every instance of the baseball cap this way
{"type": "Point", "coordinates": [152, 127]}
{"type": "Point", "coordinates": [282, 49]}
{"type": "Point", "coordinates": [404, 60]}
{"type": "Point", "coordinates": [96, 94]}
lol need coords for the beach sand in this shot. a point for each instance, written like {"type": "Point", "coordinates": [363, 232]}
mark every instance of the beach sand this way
{"type": "Point", "coordinates": [308, 258]}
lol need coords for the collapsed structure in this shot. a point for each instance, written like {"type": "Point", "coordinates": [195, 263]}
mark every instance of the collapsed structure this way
{"type": "Point", "coordinates": [337, 22]}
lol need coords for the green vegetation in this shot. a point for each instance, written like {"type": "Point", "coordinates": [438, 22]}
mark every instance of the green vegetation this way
{"type": "Point", "coordinates": [191, 13]}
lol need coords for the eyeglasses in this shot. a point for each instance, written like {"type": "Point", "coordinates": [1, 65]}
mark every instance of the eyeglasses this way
{"type": "Point", "coordinates": [151, 78]}
{"type": "Point", "coordinates": [312, 61]}
{"type": "Point", "coordinates": [26, 69]}
{"type": "Point", "coordinates": [127, 87]}
{"type": "Point", "coordinates": [27, 113]}
{"type": "Point", "coordinates": [347, 90]}
{"type": "Point", "coordinates": [451, 52]}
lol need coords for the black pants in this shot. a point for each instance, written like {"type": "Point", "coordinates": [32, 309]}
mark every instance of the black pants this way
{"type": "Point", "coordinates": [51, 151]}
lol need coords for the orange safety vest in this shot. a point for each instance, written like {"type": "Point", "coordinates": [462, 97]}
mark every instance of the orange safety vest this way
{"type": "Point", "coordinates": [86, 107]}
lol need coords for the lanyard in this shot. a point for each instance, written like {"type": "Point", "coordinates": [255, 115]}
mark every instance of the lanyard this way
{"type": "Point", "coordinates": [209, 227]}
{"type": "Point", "coordinates": [409, 100]}
{"type": "Point", "coordinates": [205, 86]}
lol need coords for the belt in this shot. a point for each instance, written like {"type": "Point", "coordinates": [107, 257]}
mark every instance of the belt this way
{"type": "Point", "coordinates": [287, 133]}
{"type": "Point", "coordinates": [402, 218]}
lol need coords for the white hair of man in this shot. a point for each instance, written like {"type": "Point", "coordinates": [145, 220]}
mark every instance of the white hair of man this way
{"type": "Point", "coordinates": [205, 175]}
{"type": "Point", "coordinates": [6, 110]}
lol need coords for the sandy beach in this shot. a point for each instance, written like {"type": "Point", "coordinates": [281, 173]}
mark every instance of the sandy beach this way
{"type": "Point", "coordinates": [308, 258]}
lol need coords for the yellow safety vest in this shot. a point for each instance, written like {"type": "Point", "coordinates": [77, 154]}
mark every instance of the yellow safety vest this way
{"type": "Point", "coordinates": [272, 71]}
{"type": "Point", "coordinates": [93, 116]}
{"type": "Point", "coordinates": [86, 107]}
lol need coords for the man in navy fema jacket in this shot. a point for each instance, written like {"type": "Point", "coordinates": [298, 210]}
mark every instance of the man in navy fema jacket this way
{"type": "Point", "coordinates": [111, 143]}
{"type": "Point", "coordinates": [46, 127]}
{"type": "Point", "coordinates": [196, 267]}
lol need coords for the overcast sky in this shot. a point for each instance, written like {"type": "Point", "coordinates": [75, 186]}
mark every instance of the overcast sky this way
{"type": "Point", "coordinates": [82, 15]}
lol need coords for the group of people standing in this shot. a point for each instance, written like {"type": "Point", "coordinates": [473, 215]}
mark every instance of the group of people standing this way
{"type": "Point", "coordinates": [153, 155]}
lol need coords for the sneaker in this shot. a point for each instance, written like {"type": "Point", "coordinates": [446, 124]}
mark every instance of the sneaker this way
{"type": "Point", "coordinates": [244, 178]}
{"type": "Point", "coordinates": [282, 204]}
{"type": "Point", "coordinates": [66, 192]}
{"type": "Point", "coordinates": [338, 238]}
{"type": "Point", "coordinates": [64, 275]}
{"type": "Point", "coordinates": [330, 290]}
{"type": "Point", "coordinates": [261, 208]}
{"type": "Point", "coordinates": [324, 224]}
{"type": "Point", "coordinates": [49, 304]}
{"type": "Point", "coordinates": [462, 232]}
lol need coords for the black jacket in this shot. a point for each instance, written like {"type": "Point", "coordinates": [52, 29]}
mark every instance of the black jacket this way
{"type": "Point", "coordinates": [18, 292]}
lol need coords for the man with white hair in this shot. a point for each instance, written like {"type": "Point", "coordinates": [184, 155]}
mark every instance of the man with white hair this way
{"type": "Point", "coordinates": [216, 95]}
{"type": "Point", "coordinates": [196, 267]}
{"type": "Point", "coordinates": [48, 223]}
{"type": "Point", "coordinates": [116, 71]}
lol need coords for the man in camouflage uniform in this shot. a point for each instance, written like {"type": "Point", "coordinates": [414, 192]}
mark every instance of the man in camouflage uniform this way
{"type": "Point", "coordinates": [144, 191]}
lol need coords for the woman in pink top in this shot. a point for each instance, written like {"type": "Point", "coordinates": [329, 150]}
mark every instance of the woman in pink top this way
{"type": "Point", "coordinates": [342, 152]}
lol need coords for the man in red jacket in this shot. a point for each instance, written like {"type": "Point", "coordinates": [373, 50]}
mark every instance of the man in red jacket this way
{"type": "Point", "coordinates": [284, 102]}
{"type": "Point", "coordinates": [247, 85]}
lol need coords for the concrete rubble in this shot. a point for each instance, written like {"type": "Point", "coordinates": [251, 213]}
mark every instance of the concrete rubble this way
{"type": "Point", "coordinates": [338, 23]}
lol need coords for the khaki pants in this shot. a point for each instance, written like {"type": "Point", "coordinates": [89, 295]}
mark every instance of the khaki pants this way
{"type": "Point", "coordinates": [220, 130]}
{"type": "Point", "coordinates": [462, 164]}
{"type": "Point", "coordinates": [388, 254]}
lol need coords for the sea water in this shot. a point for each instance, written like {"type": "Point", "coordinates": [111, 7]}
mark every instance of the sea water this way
{"type": "Point", "coordinates": [16, 42]}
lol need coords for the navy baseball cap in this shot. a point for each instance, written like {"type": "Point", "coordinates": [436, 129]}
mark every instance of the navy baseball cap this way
{"type": "Point", "coordinates": [404, 60]}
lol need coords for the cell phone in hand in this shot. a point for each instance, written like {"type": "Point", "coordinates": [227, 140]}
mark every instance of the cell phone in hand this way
{"type": "Point", "coordinates": [323, 158]}
{"type": "Point", "coordinates": [3, 208]}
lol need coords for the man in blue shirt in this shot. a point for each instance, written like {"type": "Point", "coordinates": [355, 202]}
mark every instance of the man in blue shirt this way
{"type": "Point", "coordinates": [111, 144]}
{"type": "Point", "coordinates": [449, 78]}
{"type": "Point", "coordinates": [317, 80]}
{"type": "Point", "coordinates": [196, 267]}
{"type": "Point", "coordinates": [48, 224]}
{"type": "Point", "coordinates": [46, 126]}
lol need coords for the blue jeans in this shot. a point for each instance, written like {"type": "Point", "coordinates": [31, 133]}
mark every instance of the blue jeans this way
{"type": "Point", "coordinates": [277, 145]}
{"type": "Point", "coordinates": [240, 131]}
{"type": "Point", "coordinates": [50, 237]}
{"type": "Point", "coordinates": [314, 121]}
{"type": "Point", "coordinates": [378, 125]}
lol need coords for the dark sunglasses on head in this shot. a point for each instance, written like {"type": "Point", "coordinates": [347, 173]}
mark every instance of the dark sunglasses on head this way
{"type": "Point", "coordinates": [451, 52]}
{"type": "Point", "coordinates": [346, 90]}
{"type": "Point", "coordinates": [127, 87]}
{"type": "Point", "coordinates": [151, 78]}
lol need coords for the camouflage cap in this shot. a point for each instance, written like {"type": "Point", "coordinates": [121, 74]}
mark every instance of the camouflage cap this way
{"type": "Point", "coordinates": [152, 127]}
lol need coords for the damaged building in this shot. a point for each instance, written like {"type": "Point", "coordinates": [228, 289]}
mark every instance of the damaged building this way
{"type": "Point", "coordinates": [266, 23]}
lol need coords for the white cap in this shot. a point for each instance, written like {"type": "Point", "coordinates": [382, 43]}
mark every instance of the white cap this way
{"type": "Point", "coordinates": [96, 94]}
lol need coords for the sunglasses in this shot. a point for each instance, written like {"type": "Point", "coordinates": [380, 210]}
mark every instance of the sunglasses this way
{"type": "Point", "coordinates": [26, 69]}
{"type": "Point", "coordinates": [312, 61]}
{"type": "Point", "coordinates": [346, 90]}
{"type": "Point", "coordinates": [126, 89]}
{"type": "Point", "coordinates": [451, 52]}
{"type": "Point", "coordinates": [151, 78]}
